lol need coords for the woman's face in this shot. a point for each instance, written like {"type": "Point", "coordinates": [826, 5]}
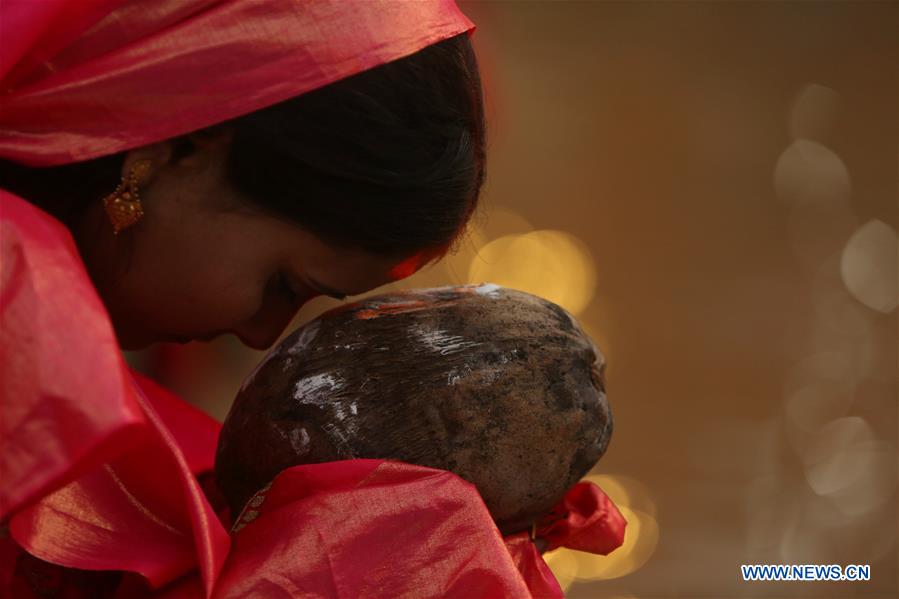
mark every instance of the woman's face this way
{"type": "Point", "coordinates": [202, 262]}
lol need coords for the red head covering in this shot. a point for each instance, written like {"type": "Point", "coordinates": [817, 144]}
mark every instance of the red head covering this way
{"type": "Point", "coordinates": [84, 79]}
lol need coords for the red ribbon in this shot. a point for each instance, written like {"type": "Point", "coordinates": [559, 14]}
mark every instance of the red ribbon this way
{"type": "Point", "coordinates": [585, 520]}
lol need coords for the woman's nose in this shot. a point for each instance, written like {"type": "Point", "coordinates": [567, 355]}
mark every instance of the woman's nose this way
{"type": "Point", "coordinates": [264, 328]}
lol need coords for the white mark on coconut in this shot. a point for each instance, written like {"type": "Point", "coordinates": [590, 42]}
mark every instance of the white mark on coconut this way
{"type": "Point", "coordinates": [348, 346]}
{"type": "Point", "coordinates": [307, 335]}
{"type": "Point", "coordinates": [455, 375]}
{"type": "Point", "coordinates": [299, 440]}
{"type": "Point", "coordinates": [339, 439]}
{"type": "Point", "coordinates": [324, 391]}
{"type": "Point", "coordinates": [310, 389]}
{"type": "Point", "coordinates": [440, 342]}
{"type": "Point", "coordinates": [488, 289]}
{"type": "Point", "coordinates": [341, 410]}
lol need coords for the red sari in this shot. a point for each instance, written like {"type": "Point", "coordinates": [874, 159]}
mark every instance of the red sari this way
{"type": "Point", "coordinates": [100, 468]}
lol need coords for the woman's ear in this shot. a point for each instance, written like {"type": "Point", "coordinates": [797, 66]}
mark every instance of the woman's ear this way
{"type": "Point", "coordinates": [205, 146]}
{"type": "Point", "coordinates": [158, 155]}
{"type": "Point", "coordinates": [195, 149]}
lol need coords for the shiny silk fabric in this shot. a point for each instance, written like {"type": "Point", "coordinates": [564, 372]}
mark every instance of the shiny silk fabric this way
{"type": "Point", "coordinates": [86, 78]}
{"type": "Point", "coordinates": [53, 325]}
{"type": "Point", "coordinates": [369, 529]}
{"type": "Point", "coordinates": [92, 476]}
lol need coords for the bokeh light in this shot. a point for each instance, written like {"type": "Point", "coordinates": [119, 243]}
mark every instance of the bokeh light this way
{"type": "Point", "coordinates": [564, 565]}
{"type": "Point", "coordinates": [870, 267]}
{"type": "Point", "coordinates": [813, 112]}
{"type": "Point", "coordinates": [552, 264]}
{"type": "Point", "coordinates": [874, 477]}
{"type": "Point", "coordinates": [810, 173]}
{"type": "Point", "coordinates": [847, 463]}
{"type": "Point", "coordinates": [828, 457]}
{"type": "Point", "coordinates": [494, 222]}
{"type": "Point", "coordinates": [499, 221]}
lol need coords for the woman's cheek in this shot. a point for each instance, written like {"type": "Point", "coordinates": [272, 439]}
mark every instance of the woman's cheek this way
{"type": "Point", "coordinates": [232, 303]}
{"type": "Point", "coordinates": [206, 303]}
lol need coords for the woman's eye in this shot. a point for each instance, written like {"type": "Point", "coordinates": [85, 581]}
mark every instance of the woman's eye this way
{"type": "Point", "coordinates": [285, 287]}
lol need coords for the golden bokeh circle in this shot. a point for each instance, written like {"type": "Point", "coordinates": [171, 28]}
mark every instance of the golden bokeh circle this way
{"type": "Point", "coordinates": [551, 264]}
{"type": "Point", "coordinates": [625, 490]}
{"type": "Point", "coordinates": [564, 565]}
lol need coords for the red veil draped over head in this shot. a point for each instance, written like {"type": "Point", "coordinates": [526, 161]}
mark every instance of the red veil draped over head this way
{"type": "Point", "coordinates": [98, 465]}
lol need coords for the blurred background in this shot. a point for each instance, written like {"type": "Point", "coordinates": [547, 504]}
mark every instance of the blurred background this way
{"type": "Point", "coordinates": [711, 188]}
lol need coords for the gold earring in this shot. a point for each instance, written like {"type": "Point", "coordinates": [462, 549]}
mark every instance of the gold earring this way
{"type": "Point", "coordinates": [123, 205]}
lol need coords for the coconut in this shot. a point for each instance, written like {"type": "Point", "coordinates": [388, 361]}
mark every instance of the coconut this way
{"type": "Point", "coordinates": [501, 387]}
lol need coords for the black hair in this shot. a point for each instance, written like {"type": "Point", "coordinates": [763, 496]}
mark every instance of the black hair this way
{"type": "Point", "coordinates": [390, 160]}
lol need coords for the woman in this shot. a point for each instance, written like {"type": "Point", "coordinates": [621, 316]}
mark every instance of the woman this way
{"type": "Point", "coordinates": [264, 154]}
{"type": "Point", "coordinates": [325, 193]}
